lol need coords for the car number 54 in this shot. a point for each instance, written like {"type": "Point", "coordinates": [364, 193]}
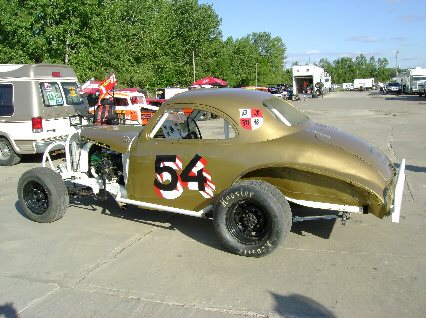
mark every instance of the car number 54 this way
{"type": "Point", "coordinates": [169, 184]}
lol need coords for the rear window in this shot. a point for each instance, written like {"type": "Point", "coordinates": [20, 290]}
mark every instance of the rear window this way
{"type": "Point", "coordinates": [137, 100]}
{"type": "Point", "coordinates": [72, 97]}
{"type": "Point", "coordinates": [6, 100]}
{"type": "Point", "coordinates": [284, 112]}
{"type": "Point", "coordinates": [60, 94]}
{"type": "Point", "coordinates": [52, 95]}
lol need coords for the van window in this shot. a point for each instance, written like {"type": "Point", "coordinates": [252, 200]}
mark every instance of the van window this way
{"type": "Point", "coordinates": [6, 100]}
{"type": "Point", "coordinates": [72, 97]}
{"type": "Point", "coordinates": [51, 93]}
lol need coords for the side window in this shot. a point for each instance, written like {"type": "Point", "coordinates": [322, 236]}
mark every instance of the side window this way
{"type": "Point", "coordinates": [189, 123]}
{"type": "Point", "coordinates": [72, 97]}
{"type": "Point", "coordinates": [120, 101]}
{"type": "Point", "coordinates": [6, 100]}
{"type": "Point", "coordinates": [51, 93]}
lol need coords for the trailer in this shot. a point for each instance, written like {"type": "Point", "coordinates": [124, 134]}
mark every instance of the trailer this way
{"type": "Point", "coordinates": [306, 76]}
{"type": "Point", "coordinates": [348, 86]}
{"type": "Point", "coordinates": [168, 92]}
{"type": "Point", "coordinates": [411, 79]}
{"type": "Point", "coordinates": [361, 84]}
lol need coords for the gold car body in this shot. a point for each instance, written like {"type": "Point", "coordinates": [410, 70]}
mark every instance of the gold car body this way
{"type": "Point", "coordinates": [311, 164]}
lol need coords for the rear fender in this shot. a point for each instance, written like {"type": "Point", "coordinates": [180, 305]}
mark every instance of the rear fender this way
{"type": "Point", "coordinates": [301, 185]}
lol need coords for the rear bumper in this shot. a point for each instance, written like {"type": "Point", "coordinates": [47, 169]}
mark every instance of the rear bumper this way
{"type": "Point", "coordinates": [397, 197]}
{"type": "Point", "coordinates": [41, 146]}
{"type": "Point", "coordinates": [26, 147]}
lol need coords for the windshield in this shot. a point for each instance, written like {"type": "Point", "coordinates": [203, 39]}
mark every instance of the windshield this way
{"type": "Point", "coordinates": [284, 112]}
{"type": "Point", "coordinates": [140, 99]}
{"type": "Point", "coordinates": [419, 78]}
{"type": "Point", "coordinates": [393, 84]}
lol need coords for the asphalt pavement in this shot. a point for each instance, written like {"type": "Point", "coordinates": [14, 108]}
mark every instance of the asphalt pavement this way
{"type": "Point", "coordinates": [100, 261]}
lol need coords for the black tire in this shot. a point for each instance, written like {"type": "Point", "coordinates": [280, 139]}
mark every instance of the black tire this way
{"type": "Point", "coordinates": [252, 218]}
{"type": "Point", "coordinates": [42, 195]}
{"type": "Point", "coordinates": [8, 156]}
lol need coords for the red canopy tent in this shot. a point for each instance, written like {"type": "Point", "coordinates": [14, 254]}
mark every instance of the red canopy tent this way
{"type": "Point", "coordinates": [209, 80]}
{"type": "Point", "coordinates": [90, 87]}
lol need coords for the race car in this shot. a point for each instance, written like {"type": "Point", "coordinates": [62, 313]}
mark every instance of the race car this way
{"type": "Point", "coordinates": [238, 156]}
{"type": "Point", "coordinates": [130, 107]}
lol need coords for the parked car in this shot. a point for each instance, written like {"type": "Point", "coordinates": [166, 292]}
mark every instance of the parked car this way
{"type": "Point", "coordinates": [130, 106]}
{"type": "Point", "coordinates": [36, 101]}
{"type": "Point", "coordinates": [241, 168]}
{"type": "Point", "coordinates": [393, 88]}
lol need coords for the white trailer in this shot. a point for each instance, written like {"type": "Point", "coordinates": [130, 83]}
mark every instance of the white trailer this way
{"type": "Point", "coordinates": [421, 86]}
{"type": "Point", "coordinates": [169, 92]}
{"type": "Point", "coordinates": [361, 84]}
{"type": "Point", "coordinates": [347, 86]}
{"type": "Point", "coordinates": [306, 76]}
{"type": "Point", "coordinates": [411, 79]}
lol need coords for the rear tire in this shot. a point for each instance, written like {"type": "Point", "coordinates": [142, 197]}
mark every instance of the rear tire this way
{"type": "Point", "coordinates": [8, 156]}
{"type": "Point", "coordinates": [42, 195]}
{"type": "Point", "coordinates": [252, 218]}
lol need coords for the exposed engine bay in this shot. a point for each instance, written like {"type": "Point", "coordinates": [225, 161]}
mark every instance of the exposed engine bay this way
{"type": "Point", "coordinates": [106, 164]}
{"type": "Point", "coordinates": [91, 167]}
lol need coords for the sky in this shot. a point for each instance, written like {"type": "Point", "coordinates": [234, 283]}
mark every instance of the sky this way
{"type": "Point", "coordinates": [311, 30]}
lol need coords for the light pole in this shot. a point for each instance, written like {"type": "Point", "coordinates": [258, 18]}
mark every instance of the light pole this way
{"type": "Point", "coordinates": [396, 61]}
{"type": "Point", "coordinates": [256, 74]}
{"type": "Point", "coordinates": [193, 65]}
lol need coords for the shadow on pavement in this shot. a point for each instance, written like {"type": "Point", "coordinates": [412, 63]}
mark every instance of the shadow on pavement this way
{"type": "Point", "coordinates": [412, 168]}
{"type": "Point", "coordinates": [406, 98]}
{"type": "Point", "coordinates": [198, 229]}
{"type": "Point", "coordinates": [8, 311]}
{"type": "Point", "coordinates": [300, 306]}
{"type": "Point", "coordinates": [319, 228]}
{"type": "Point", "coordinates": [37, 158]}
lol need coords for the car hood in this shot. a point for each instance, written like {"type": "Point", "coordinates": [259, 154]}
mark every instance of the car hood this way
{"type": "Point", "coordinates": [115, 137]}
{"type": "Point", "coordinates": [358, 148]}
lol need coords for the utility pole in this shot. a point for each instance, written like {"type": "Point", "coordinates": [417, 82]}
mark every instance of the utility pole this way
{"type": "Point", "coordinates": [396, 61]}
{"type": "Point", "coordinates": [193, 65]}
{"type": "Point", "coordinates": [256, 74]}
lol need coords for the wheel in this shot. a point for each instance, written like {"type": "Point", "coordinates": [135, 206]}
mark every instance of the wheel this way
{"type": "Point", "coordinates": [8, 156]}
{"type": "Point", "coordinates": [252, 218]}
{"type": "Point", "coordinates": [42, 195]}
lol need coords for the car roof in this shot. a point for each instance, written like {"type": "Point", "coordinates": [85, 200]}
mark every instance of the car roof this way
{"type": "Point", "coordinates": [222, 98]}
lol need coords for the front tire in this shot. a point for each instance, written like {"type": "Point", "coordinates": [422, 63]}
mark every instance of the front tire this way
{"type": "Point", "coordinates": [252, 218]}
{"type": "Point", "coordinates": [42, 195]}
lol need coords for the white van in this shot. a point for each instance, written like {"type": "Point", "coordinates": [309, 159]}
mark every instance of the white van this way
{"type": "Point", "coordinates": [36, 101]}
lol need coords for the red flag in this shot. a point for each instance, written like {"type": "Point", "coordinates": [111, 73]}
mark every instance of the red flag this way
{"type": "Point", "coordinates": [107, 85]}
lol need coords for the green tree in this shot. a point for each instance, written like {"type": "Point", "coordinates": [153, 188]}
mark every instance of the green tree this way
{"type": "Point", "coordinates": [147, 43]}
{"type": "Point", "coordinates": [270, 57]}
{"type": "Point", "coordinates": [361, 67]}
{"type": "Point", "coordinates": [326, 65]}
{"type": "Point", "coordinates": [382, 74]}
{"type": "Point", "coordinates": [344, 70]}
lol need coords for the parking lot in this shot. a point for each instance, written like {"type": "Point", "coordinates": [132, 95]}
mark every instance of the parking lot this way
{"type": "Point", "coordinates": [100, 261]}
